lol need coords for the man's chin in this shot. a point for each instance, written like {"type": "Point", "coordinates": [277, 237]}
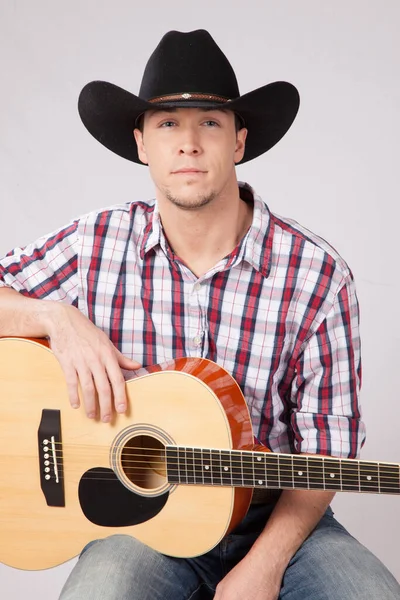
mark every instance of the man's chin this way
{"type": "Point", "coordinates": [190, 202]}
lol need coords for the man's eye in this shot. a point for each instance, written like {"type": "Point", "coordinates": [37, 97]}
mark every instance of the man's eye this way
{"type": "Point", "coordinates": [167, 124]}
{"type": "Point", "coordinates": [211, 123]}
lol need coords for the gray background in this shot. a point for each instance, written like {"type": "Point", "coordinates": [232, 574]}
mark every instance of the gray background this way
{"type": "Point", "coordinates": [334, 172]}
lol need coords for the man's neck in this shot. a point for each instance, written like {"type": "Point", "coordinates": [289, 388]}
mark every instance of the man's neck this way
{"type": "Point", "coordinates": [201, 238]}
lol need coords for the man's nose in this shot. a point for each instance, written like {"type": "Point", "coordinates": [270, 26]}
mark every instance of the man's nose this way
{"type": "Point", "coordinates": [190, 142]}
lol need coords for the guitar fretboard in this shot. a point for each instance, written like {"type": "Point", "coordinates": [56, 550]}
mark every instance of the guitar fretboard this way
{"type": "Point", "coordinates": [201, 466]}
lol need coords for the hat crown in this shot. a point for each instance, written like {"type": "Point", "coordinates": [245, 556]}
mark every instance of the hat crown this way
{"type": "Point", "coordinates": [188, 63]}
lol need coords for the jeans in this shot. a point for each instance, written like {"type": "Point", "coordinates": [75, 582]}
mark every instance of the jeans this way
{"type": "Point", "coordinates": [330, 565]}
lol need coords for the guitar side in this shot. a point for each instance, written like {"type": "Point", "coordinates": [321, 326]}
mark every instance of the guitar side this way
{"type": "Point", "coordinates": [172, 403]}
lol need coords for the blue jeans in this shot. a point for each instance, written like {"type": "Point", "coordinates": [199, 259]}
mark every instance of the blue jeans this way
{"type": "Point", "coordinates": [330, 565]}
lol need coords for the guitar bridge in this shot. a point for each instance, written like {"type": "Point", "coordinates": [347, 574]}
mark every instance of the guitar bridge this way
{"type": "Point", "coordinates": [51, 458]}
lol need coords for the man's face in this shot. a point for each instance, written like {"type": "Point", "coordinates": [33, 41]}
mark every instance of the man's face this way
{"type": "Point", "coordinates": [191, 153]}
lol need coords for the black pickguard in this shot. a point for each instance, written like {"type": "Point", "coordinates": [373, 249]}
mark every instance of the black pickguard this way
{"type": "Point", "coordinates": [105, 501]}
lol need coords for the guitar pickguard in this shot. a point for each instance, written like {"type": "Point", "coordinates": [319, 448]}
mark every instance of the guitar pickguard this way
{"type": "Point", "coordinates": [105, 501]}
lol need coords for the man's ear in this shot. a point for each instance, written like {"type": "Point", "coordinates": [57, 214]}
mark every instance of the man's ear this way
{"type": "Point", "coordinates": [140, 146]}
{"type": "Point", "coordinates": [240, 144]}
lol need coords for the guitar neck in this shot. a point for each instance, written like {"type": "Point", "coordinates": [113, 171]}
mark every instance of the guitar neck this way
{"type": "Point", "coordinates": [242, 468]}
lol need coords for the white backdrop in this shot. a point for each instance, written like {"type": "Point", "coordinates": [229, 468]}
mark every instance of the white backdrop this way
{"type": "Point", "coordinates": [334, 172]}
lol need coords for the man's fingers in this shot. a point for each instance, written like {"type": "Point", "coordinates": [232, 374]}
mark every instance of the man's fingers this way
{"type": "Point", "coordinates": [104, 394]}
{"type": "Point", "coordinates": [97, 381]}
{"type": "Point", "coordinates": [127, 363]}
{"type": "Point", "coordinates": [71, 379]}
{"type": "Point", "coordinates": [88, 391]}
{"type": "Point", "coordinates": [117, 382]}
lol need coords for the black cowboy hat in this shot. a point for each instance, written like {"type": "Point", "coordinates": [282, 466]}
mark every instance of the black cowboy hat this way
{"type": "Point", "coordinates": [187, 70]}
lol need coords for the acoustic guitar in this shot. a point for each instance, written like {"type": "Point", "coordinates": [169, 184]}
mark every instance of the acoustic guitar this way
{"type": "Point", "coordinates": [177, 471]}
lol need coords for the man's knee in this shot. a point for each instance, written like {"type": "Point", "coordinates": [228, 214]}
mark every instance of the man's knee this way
{"type": "Point", "coordinates": [332, 565]}
{"type": "Point", "coordinates": [122, 567]}
{"type": "Point", "coordinates": [123, 549]}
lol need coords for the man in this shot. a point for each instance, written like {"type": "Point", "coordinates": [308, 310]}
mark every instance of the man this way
{"type": "Point", "coordinates": [206, 270]}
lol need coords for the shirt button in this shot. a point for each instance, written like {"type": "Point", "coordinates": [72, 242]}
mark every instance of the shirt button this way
{"type": "Point", "coordinates": [197, 340]}
{"type": "Point", "coordinates": [197, 287]}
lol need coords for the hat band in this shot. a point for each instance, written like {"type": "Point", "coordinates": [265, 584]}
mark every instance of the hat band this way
{"type": "Point", "coordinates": [187, 96]}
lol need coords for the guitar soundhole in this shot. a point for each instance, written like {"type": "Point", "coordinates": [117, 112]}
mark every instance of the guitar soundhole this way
{"type": "Point", "coordinates": [143, 462]}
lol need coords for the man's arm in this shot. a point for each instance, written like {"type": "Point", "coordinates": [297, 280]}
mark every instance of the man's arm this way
{"type": "Point", "coordinates": [87, 357]}
{"type": "Point", "coordinates": [38, 298]}
{"type": "Point", "coordinates": [26, 317]}
{"type": "Point", "coordinates": [259, 575]}
{"type": "Point", "coordinates": [294, 517]}
{"type": "Point", "coordinates": [325, 420]}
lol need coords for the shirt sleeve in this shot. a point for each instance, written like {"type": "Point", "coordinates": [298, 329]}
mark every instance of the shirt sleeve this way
{"type": "Point", "coordinates": [45, 269]}
{"type": "Point", "coordinates": [327, 415]}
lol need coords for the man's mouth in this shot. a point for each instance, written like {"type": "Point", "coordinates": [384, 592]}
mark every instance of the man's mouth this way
{"type": "Point", "coordinates": [187, 170]}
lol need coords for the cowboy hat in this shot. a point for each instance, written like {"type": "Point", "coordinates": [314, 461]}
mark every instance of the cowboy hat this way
{"type": "Point", "coordinates": [187, 70]}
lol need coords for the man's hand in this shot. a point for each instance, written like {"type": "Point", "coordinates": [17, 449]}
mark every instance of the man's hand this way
{"type": "Point", "coordinates": [90, 359]}
{"type": "Point", "coordinates": [252, 579]}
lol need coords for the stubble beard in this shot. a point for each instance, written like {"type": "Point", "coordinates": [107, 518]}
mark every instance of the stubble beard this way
{"type": "Point", "coordinates": [194, 203]}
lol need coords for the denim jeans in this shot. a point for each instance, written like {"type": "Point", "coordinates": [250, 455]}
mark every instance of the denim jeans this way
{"type": "Point", "coordinates": [330, 565]}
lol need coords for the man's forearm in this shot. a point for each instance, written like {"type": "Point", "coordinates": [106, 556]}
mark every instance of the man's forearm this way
{"type": "Point", "coordinates": [294, 517]}
{"type": "Point", "coordinates": [22, 316]}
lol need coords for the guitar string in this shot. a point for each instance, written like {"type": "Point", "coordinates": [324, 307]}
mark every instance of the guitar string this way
{"type": "Point", "coordinates": [248, 470]}
{"type": "Point", "coordinates": [387, 479]}
{"type": "Point", "coordinates": [190, 473]}
{"type": "Point", "coordinates": [271, 471]}
{"type": "Point", "coordinates": [278, 485]}
{"type": "Point", "coordinates": [247, 454]}
{"type": "Point", "coordinates": [282, 470]}
{"type": "Point", "coordinates": [343, 465]}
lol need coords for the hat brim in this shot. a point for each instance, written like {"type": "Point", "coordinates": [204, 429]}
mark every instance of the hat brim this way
{"type": "Point", "coordinates": [109, 113]}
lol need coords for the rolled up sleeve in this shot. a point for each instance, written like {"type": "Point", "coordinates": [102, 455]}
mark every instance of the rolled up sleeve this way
{"type": "Point", "coordinates": [325, 392]}
{"type": "Point", "coordinates": [45, 269]}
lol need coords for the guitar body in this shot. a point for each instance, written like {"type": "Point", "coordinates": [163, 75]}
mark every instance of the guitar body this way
{"type": "Point", "coordinates": [44, 522]}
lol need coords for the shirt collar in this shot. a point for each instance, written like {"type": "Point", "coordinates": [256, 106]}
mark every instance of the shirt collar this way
{"type": "Point", "coordinates": [255, 248]}
{"type": "Point", "coordinates": [152, 235]}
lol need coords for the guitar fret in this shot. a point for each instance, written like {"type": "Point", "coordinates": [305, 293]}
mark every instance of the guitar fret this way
{"type": "Point", "coordinates": [189, 462]}
{"type": "Point", "coordinates": [237, 475]}
{"type": "Point", "coordinates": [272, 470]}
{"type": "Point", "coordinates": [389, 476]}
{"type": "Point", "coordinates": [315, 473]}
{"type": "Point", "coordinates": [300, 472]}
{"type": "Point", "coordinates": [369, 477]}
{"type": "Point", "coordinates": [379, 478]}
{"type": "Point", "coordinates": [260, 475]}
{"type": "Point", "coordinates": [172, 465]}
{"type": "Point", "coordinates": [350, 477]}
{"type": "Point", "coordinates": [332, 478]}
{"type": "Point", "coordinates": [182, 465]}
{"type": "Point", "coordinates": [220, 463]}
{"type": "Point", "coordinates": [216, 467]}
{"type": "Point", "coordinates": [226, 465]}
{"type": "Point", "coordinates": [198, 465]}
{"type": "Point", "coordinates": [285, 470]}
{"type": "Point", "coordinates": [248, 469]}
{"type": "Point", "coordinates": [207, 475]}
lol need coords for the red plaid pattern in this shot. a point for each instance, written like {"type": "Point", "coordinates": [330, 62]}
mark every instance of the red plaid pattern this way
{"type": "Point", "coordinates": [280, 313]}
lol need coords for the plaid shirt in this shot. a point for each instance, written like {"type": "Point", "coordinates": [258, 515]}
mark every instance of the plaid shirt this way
{"type": "Point", "coordinates": [280, 313]}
